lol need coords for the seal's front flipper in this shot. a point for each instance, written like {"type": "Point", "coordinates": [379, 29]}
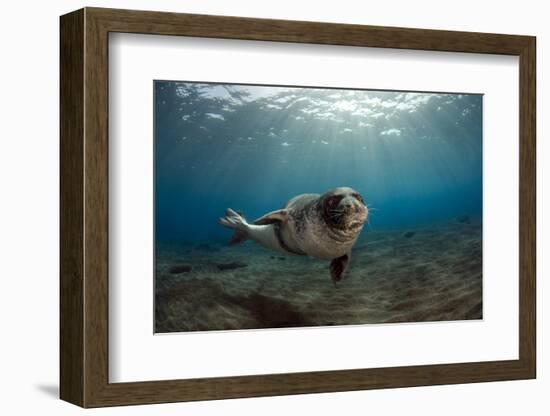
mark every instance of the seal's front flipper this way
{"type": "Point", "coordinates": [339, 266]}
{"type": "Point", "coordinates": [281, 215]}
{"type": "Point", "coordinates": [237, 222]}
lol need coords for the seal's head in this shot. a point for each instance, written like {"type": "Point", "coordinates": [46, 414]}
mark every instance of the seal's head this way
{"type": "Point", "coordinates": [344, 209]}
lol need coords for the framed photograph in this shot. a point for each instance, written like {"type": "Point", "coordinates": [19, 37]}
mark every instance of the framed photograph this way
{"type": "Point", "coordinates": [255, 207]}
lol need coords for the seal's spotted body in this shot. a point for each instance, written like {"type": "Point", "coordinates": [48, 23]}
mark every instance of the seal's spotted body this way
{"type": "Point", "coordinates": [321, 226]}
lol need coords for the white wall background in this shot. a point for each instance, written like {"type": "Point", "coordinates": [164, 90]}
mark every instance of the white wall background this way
{"type": "Point", "coordinates": [29, 207]}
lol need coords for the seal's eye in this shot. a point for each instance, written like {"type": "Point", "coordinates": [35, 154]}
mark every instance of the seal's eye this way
{"type": "Point", "coordinates": [359, 198]}
{"type": "Point", "coordinates": [333, 201]}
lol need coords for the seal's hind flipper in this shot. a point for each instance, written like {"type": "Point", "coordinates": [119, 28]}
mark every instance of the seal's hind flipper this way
{"type": "Point", "coordinates": [236, 221]}
{"type": "Point", "coordinates": [339, 266]}
{"type": "Point", "coordinates": [239, 237]}
{"type": "Point", "coordinates": [273, 217]}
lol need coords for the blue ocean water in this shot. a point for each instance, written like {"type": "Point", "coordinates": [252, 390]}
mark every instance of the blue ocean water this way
{"type": "Point", "coordinates": [416, 158]}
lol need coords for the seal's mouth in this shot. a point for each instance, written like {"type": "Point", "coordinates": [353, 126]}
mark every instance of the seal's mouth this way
{"type": "Point", "coordinates": [356, 217]}
{"type": "Point", "coordinates": [352, 217]}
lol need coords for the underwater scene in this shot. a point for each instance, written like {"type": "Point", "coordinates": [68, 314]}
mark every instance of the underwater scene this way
{"type": "Point", "coordinates": [279, 206]}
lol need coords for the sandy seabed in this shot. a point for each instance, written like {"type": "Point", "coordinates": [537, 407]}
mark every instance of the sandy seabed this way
{"type": "Point", "coordinates": [415, 275]}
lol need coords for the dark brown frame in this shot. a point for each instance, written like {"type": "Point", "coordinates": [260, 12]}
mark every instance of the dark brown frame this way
{"type": "Point", "coordinates": [84, 209]}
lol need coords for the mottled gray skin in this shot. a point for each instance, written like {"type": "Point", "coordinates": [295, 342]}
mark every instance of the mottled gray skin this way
{"type": "Point", "coordinates": [321, 226]}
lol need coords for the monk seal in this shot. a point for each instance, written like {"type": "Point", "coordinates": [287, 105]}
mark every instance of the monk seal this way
{"type": "Point", "coordinates": [321, 226]}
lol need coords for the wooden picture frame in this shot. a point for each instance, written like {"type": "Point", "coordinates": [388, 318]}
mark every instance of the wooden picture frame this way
{"type": "Point", "coordinates": [84, 207]}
